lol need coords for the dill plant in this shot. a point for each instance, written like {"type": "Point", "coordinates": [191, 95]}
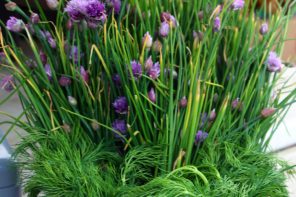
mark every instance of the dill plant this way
{"type": "Point", "coordinates": [147, 98]}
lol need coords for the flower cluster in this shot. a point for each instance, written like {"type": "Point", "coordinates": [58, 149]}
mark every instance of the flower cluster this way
{"type": "Point", "coordinates": [92, 11]}
{"type": "Point", "coordinates": [168, 22]}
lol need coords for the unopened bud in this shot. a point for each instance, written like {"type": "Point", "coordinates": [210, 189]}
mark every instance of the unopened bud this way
{"type": "Point", "coordinates": [72, 101]}
{"type": "Point", "coordinates": [10, 6]}
{"type": "Point", "coordinates": [183, 102]}
{"type": "Point", "coordinates": [267, 112]}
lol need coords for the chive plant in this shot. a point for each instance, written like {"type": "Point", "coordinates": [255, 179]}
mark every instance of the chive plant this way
{"type": "Point", "coordinates": [147, 98]}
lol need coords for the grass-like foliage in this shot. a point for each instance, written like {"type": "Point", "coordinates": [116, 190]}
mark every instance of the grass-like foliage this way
{"type": "Point", "coordinates": [148, 98]}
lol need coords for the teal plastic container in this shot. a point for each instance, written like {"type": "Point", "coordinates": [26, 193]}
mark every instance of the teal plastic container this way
{"type": "Point", "coordinates": [9, 182]}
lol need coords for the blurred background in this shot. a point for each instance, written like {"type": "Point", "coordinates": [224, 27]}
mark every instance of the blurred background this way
{"type": "Point", "coordinates": [284, 140]}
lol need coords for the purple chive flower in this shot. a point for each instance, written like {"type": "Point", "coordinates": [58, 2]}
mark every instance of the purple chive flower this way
{"type": "Point", "coordinates": [120, 126]}
{"type": "Point", "coordinates": [264, 29]}
{"type": "Point", "coordinates": [152, 95]}
{"type": "Point", "coordinates": [237, 4]}
{"type": "Point", "coordinates": [121, 105]}
{"type": "Point", "coordinates": [84, 74]}
{"type": "Point", "coordinates": [65, 81]}
{"type": "Point", "coordinates": [14, 24]}
{"type": "Point", "coordinates": [267, 112]}
{"type": "Point", "coordinates": [52, 43]}
{"type": "Point", "coordinates": [217, 24]}
{"type": "Point", "coordinates": [116, 80]}
{"type": "Point", "coordinates": [47, 70]}
{"type": "Point", "coordinates": [93, 11]}
{"type": "Point", "coordinates": [183, 102]}
{"type": "Point", "coordinates": [147, 40]}
{"type": "Point", "coordinates": [52, 4]}
{"type": "Point", "coordinates": [200, 136]}
{"type": "Point", "coordinates": [149, 63]}
{"type": "Point", "coordinates": [7, 83]}
{"type": "Point", "coordinates": [76, 9]}
{"type": "Point", "coordinates": [35, 18]}
{"type": "Point", "coordinates": [237, 104]}
{"type": "Point", "coordinates": [154, 71]}
{"type": "Point", "coordinates": [115, 5]}
{"type": "Point", "coordinates": [136, 69]}
{"type": "Point", "coordinates": [164, 29]}
{"type": "Point", "coordinates": [169, 19]}
{"type": "Point", "coordinates": [274, 63]}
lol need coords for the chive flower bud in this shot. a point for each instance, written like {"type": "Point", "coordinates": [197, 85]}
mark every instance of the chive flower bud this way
{"type": "Point", "coordinates": [84, 74]}
{"type": "Point", "coordinates": [72, 101]}
{"type": "Point", "coordinates": [157, 46]}
{"type": "Point", "coordinates": [267, 112]}
{"type": "Point", "coordinates": [147, 40]}
{"type": "Point", "coordinates": [65, 81]}
{"type": "Point", "coordinates": [213, 115]}
{"type": "Point", "coordinates": [217, 24]}
{"type": "Point", "coordinates": [121, 105]}
{"type": "Point", "coordinates": [10, 6]}
{"type": "Point", "coordinates": [149, 63]}
{"type": "Point", "coordinates": [237, 104]}
{"type": "Point", "coordinates": [152, 95]}
{"type": "Point", "coordinates": [183, 102]}
{"type": "Point", "coordinates": [47, 70]}
{"type": "Point", "coordinates": [52, 4]}
{"type": "Point", "coordinates": [264, 29]}
{"type": "Point", "coordinates": [35, 18]}
{"type": "Point", "coordinates": [200, 15]}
